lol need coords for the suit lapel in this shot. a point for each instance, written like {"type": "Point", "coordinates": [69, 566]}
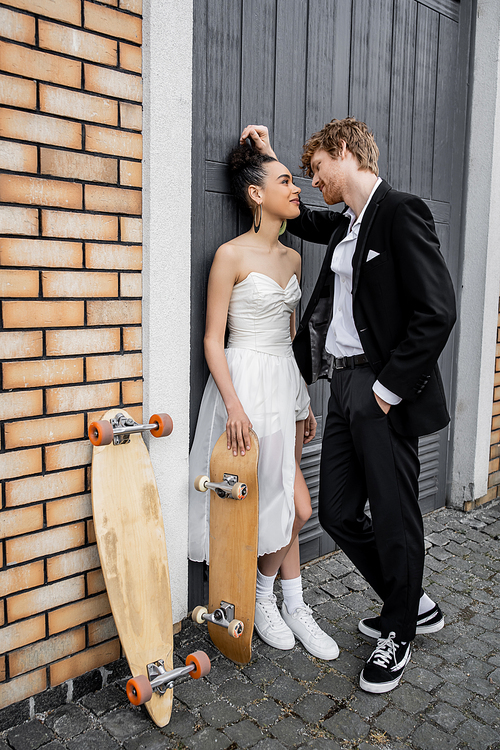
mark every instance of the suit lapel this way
{"type": "Point", "coordinates": [361, 247]}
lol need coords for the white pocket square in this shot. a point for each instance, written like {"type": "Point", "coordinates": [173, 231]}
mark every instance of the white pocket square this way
{"type": "Point", "coordinates": [371, 255]}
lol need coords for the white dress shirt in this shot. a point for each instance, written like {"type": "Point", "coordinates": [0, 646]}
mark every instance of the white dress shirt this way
{"type": "Point", "coordinates": [342, 339]}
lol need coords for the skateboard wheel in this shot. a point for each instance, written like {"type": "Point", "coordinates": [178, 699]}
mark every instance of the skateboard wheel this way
{"type": "Point", "coordinates": [238, 491]}
{"type": "Point", "coordinates": [197, 615]}
{"type": "Point", "coordinates": [165, 425]}
{"type": "Point", "coordinates": [235, 628]}
{"type": "Point", "coordinates": [201, 662]}
{"type": "Point", "coordinates": [139, 690]}
{"type": "Point", "coordinates": [100, 433]}
{"type": "Point", "coordinates": [200, 483]}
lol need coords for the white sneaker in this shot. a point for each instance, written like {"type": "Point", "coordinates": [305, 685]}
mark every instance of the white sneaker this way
{"type": "Point", "coordinates": [270, 626]}
{"type": "Point", "coordinates": [307, 630]}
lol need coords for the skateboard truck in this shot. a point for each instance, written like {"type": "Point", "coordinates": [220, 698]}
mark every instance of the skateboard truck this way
{"type": "Point", "coordinates": [229, 487]}
{"type": "Point", "coordinates": [140, 689]}
{"type": "Point", "coordinates": [223, 616]}
{"type": "Point", "coordinates": [119, 429]}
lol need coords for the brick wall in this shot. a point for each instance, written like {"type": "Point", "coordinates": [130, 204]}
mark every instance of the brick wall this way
{"type": "Point", "coordinates": [70, 336]}
{"type": "Point", "coordinates": [494, 468]}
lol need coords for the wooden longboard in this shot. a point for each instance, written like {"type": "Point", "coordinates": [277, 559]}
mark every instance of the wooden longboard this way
{"type": "Point", "coordinates": [234, 527]}
{"type": "Point", "coordinates": [131, 542]}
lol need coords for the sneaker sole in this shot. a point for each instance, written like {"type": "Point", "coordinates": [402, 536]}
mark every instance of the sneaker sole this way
{"type": "Point", "coordinates": [421, 629]}
{"type": "Point", "coordinates": [317, 654]}
{"type": "Point", "coordinates": [274, 644]}
{"type": "Point", "coordinates": [378, 687]}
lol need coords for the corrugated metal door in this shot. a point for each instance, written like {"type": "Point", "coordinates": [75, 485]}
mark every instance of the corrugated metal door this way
{"type": "Point", "coordinates": [400, 65]}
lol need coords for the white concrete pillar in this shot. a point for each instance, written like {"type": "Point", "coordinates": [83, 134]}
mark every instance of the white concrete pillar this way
{"type": "Point", "coordinates": [480, 283]}
{"type": "Point", "coordinates": [167, 70]}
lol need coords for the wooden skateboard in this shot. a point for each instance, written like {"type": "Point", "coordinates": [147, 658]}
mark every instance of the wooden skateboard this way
{"type": "Point", "coordinates": [234, 527]}
{"type": "Point", "coordinates": [132, 549]}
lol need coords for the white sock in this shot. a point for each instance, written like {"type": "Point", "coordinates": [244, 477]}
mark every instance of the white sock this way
{"type": "Point", "coordinates": [264, 585]}
{"type": "Point", "coordinates": [292, 593]}
{"type": "Point", "coordinates": [425, 604]}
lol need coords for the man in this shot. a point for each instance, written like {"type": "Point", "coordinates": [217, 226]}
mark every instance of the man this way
{"type": "Point", "coordinates": [379, 317]}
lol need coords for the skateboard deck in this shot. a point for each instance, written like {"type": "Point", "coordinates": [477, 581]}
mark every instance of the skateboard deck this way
{"type": "Point", "coordinates": [133, 553]}
{"type": "Point", "coordinates": [234, 526]}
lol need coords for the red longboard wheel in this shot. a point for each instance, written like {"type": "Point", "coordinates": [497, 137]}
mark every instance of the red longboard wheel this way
{"type": "Point", "coordinates": [101, 433]}
{"type": "Point", "coordinates": [165, 425]}
{"type": "Point", "coordinates": [201, 662]}
{"type": "Point", "coordinates": [235, 628]}
{"type": "Point", "coordinates": [139, 690]}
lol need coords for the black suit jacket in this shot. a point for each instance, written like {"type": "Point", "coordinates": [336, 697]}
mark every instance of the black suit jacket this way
{"type": "Point", "coordinates": [403, 303]}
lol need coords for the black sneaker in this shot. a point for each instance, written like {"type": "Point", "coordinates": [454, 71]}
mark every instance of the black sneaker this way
{"type": "Point", "coordinates": [428, 622]}
{"type": "Point", "coordinates": [385, 667]}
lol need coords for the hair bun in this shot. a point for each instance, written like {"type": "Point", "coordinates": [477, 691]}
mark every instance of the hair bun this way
{"type": "Point", "coordinates": [243, 156]}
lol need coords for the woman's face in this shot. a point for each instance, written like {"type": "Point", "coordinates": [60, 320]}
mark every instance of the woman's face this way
{"type": "Point", "coordinates": [280, 197]}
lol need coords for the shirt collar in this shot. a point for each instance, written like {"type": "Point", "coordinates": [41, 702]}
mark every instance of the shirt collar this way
{"type": "Point", "coordinates": [350, 213]}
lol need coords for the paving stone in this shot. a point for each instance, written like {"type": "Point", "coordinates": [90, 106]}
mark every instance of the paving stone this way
{"type": "Point", "coordinates": [300, 666]}
{"type": "Point", "coordinates": [149, 741]}
{"type": "Point", "coordinates": [355, 582]}
{"type": "Point", "coordinates": [239, 693]}
{"type": "Point", "coordinates": [334, 588]}
{"type": "Point", "coordinates": [319, 743]}
{"type": "Point", "coordinates": [346, 725]}
{"type": "Point", "coordinates": [104, 700]}
{"type": "Point", "coordinates": [208, 738]}
{"type": "Point", "coordinates": [223, 669]}
{"type": "Point", "coordinates": [428, 737]}
{"type": "Point", "coordinates": [313, 707]}
{"type": "Point", "coordinates": [29, 736]}
{"type": "Point", "coordinates": [482, 687]}
{"type": "Point", "coordinates": [182, 722]}
{"type": "Point", "coordinates": [453, 694]}
{"type": "Point", "coordinates": [315, 575]}
{"type": "Point", "coordinates": [265, 713]}
{"type": "Point", "coordinates": [487, 712]}
{"type": "Point", "coordinates": [351, 665]}
{"type": "Point", "coordinates": [262, 671]}
{"type": "Point", "coordinates": [219, 714]}
{"type": "Point", "coordinates": [269, 744]}
{"type": "Point", "coordinates": [495, 676]}
{"type": "Point", "coordinates": [50, 699]}
{"type": "Point", "coordinates": [395, 723]}
{"type": "Point", "coordinates": [285, 689]}
{"type": "Point", "coordinates": [331, 610]}
{"type": "Point", "coordinates": [368, 704]}
{"type": "Point", "coordinates": [194, 693]}
{"type": "Point", "coordinates": [245, 733]}
{"type": "Point", "coordinates": [68, 721]}
{"type": "Point", "coordinates": [411, 699]}
{"type": "Point", "coordinates": [87, 683]}
{"type": "Point", "coordinates": [126, 722]}
{"type": "Point", "coordinates": [95, 739]}
{"type": "Point", "coordinates": [335, 686]}
{"type": "Point", "coordinates": [54, 745]}
{"type": "Point", "coordinates": [291, 732]}
{"type": "Point", "coordinates": [315, 596]}
{"type": "Point", "coordinates": [476, 735]}
{"type": "Point", "coordinates": [422, 678]}
{"type": "Point", "coordinates": [446, 716]}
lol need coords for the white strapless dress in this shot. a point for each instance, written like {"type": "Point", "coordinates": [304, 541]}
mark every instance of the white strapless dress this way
{"type": "Point", "coordinates": [274, 396]}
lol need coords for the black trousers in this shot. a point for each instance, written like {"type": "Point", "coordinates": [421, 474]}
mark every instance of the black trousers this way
{"type": "Point", "coordinates": [363, 458]}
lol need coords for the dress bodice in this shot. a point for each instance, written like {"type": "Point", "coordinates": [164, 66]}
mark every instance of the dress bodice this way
{"type": "Point", "coordinates": [259, 314]}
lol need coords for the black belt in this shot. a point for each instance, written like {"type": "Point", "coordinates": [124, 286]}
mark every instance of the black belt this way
{"type": "Point", "coordinates": [344, 363]}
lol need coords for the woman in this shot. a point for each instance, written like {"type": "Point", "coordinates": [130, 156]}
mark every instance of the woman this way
{"type": "Point", "coordinates": [254, 287]}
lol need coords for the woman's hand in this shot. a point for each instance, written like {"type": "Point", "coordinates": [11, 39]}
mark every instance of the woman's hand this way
{"type": "Point", "coordinates": [259, 135]}
{"type": "Point", "coordinates": [310, 427]}
{"type": "Point", "coordinates": [237, 429]}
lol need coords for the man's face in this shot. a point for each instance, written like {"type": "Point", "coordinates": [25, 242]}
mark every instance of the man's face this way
{"type": "Point", "coordinates": [328, 176]}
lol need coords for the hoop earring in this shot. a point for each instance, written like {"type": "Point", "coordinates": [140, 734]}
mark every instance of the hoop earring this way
{"type": "Point", "coordinates": [256, 226]}
{"type": "Point", "coordinates": [282, 228]}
